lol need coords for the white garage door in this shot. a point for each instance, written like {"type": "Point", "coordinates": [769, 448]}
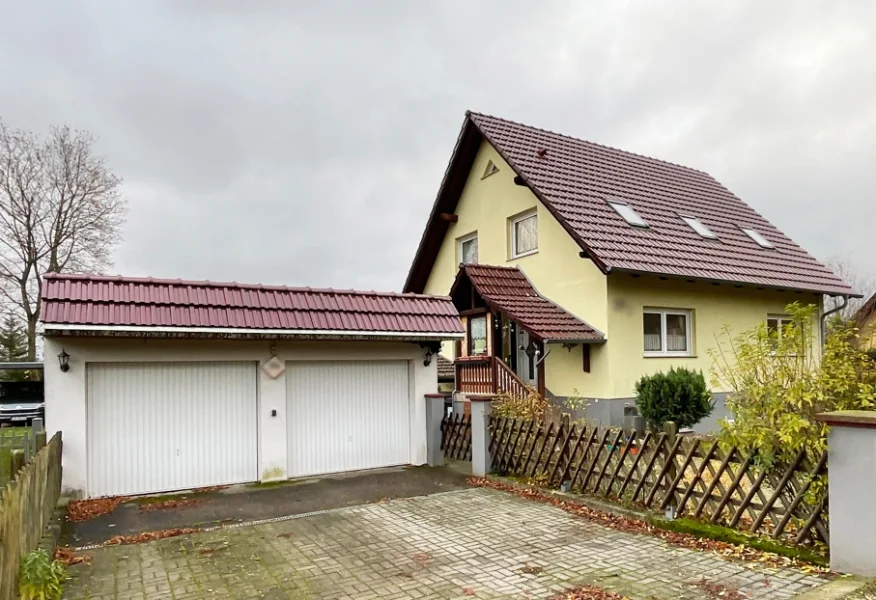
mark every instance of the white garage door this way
{"type": "Point", "coordinates": [154, 427]}
{"type": "Point", "coordinates": [345, 416]}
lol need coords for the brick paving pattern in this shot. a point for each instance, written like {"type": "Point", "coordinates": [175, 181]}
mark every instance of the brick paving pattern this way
{"type": "Point", "coordinates": [473, 543]}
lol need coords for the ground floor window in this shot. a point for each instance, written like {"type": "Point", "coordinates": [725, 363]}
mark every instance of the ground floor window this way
{"type": "Point", "coordinates": [667, 332]}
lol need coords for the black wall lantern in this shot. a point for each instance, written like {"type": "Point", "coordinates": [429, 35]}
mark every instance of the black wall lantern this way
{"type": "Point", "coordinates": [429, 350]}
{"type": "Point", "coordinates": [64, 360]}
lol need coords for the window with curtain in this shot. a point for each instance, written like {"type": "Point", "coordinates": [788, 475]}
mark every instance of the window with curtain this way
{"type": "Point", "coordinates": [477, 335]}
{"type": "Point", "coordinates": [524, 235]}
{"type": "Point", "coordinates": [468, 250]}
{"type": "Point", "coordinates": [666, 332]}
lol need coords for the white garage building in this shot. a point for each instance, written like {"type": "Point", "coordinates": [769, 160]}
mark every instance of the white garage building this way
{"type": "Point", "coordinates": [166, 385]}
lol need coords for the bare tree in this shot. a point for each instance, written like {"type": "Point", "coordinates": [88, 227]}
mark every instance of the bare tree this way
{"type": "Point", "coordinates": [60, 210]}
{"type": "Point", "coordinates": [860, 283]}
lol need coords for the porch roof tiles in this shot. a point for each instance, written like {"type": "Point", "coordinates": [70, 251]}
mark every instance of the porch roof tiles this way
{"type": "Point", "coordinates": [509, 290]}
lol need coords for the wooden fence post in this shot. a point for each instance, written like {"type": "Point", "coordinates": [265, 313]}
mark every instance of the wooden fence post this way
{"type": "Point", "coordinates": [40, 440]}
{"type": "Point", "coordinates": [16, 462]}
{"type": "Point", "coordinates": [671, 431]}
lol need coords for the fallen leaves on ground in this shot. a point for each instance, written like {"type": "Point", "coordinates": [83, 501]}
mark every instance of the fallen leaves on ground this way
{"type": "Point", "coordinates": [85, 510]}
{"type": "Point", "coordinates": [684, 540]}
{"type": "Point", "coordinates": [68, 556]}
{"type": "Point", "coordinates": [171, 504]}
{"type": "Point", "coordinates": [587, 592]}
{"type": "Point", "coordinates": [210, 489]}
{"type": "Point", "coordinates": [149, 536]}
{"type": "Point", "coordinates": [716, 591]}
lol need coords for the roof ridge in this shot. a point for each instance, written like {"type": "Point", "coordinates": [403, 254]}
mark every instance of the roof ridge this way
{"type": "Point", "coordinates": [592, 143]}
{"type": "Point", "coordinates": [233, 285]}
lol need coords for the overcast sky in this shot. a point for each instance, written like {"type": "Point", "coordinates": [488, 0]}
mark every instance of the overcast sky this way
{"type": "Point", "coordinates": [303, 143]}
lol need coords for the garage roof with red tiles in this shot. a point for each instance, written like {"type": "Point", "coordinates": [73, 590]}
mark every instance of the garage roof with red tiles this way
{"type": "Point", "coordinates": [507, 289]}
{"type": "Point", "coordinates": [93, 300]}
{"type": "Point", "coordinates": [576, 179]}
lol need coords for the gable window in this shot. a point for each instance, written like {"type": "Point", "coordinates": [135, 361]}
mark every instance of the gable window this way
{"type": "Point", "coordinates": [629, 215]}
{"type": "Point", "coordinates": [477, 335]}
{"type": "Point", "coordinates": [698, 226]}
{"type": "Point", "coordinates": [468, 249]}
{"type": "Point", "coordinates": [666, 332]}
{"type": "Point", "coordinates": [491, 169]}
{"type": "Point", "coordinates": [757, 237]}
{"type": "Point", "coordinates": [524, 235]}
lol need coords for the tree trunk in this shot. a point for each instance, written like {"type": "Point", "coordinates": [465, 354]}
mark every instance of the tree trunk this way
{"type": "Point", "coordinates": [31, 336]}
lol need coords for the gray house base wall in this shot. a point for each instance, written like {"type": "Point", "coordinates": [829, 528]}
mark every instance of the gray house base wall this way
{"type": "Point", "coordinates": [610, 412]}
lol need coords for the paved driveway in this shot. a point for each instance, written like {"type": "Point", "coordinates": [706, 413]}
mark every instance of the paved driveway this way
{"type": "Point", "coordinates": [468, 543]}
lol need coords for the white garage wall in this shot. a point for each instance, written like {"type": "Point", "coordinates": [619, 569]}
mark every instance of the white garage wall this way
{"type": "Point", "coordinates": [66, 392]}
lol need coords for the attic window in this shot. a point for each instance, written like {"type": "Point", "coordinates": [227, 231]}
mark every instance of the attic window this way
{"type": "Point", "coordinates": [757, 237]}
{"type": "Point", "coordinates": [491, 169]}
{"type": "Point", "coordinates": [698, 226]}
{"type": "Point", "coordinates": [627, 212]}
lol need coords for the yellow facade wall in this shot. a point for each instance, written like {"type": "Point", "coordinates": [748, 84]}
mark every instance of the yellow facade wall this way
{"type": "Point", "coordinates": [556, 270]}
{"type": "Point", "coordinates": [868, 333]}
{"type": "Point", "coordinates": [712, 307]}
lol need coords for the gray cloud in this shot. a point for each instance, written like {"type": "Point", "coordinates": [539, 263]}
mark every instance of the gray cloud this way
{"type": "Point", "coordinates": [303, 142]}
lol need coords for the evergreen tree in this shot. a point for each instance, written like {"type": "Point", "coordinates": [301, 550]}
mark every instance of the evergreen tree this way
{"type": "Point", "coordinates": [13, 347]}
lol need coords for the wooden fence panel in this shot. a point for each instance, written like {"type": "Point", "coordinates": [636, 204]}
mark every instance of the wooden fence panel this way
{"type": "Point", "coordinates": [455, 437]}
{"type": "Point", "coordinates": [26, 505]}
{"type": "Point", "coordinates": [692, 474]}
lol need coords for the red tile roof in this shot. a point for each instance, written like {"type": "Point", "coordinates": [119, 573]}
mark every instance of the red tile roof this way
{"type": "Point", "coordinates": [507, 289]}
{"type": "Point", "coordinates": [127, 301]}
{"type": "Point", "coordinates": [446, 370]}
{"type": "Point", "coordinates": [574, 179]}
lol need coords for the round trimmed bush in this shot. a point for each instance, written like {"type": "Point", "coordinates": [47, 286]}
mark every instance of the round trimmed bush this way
{"type": "Point", "coordinates": [680, 395]}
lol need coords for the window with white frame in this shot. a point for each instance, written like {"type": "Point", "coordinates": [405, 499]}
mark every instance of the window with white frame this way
{"type": "Point", "coordinates": [776, 325]}
{"type": "Point", "coordinates": [667, 332]}
{"type": "Point", "coordinates": [468, 249]}
{"type": "Point", "coordinates": [524, 234]}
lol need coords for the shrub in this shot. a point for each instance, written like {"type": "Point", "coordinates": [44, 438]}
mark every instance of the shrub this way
{"type": "Point", "coordinates": [872, 354]}
{"type": "Point", "coordinates": [40, 577]}
{"type": "Point", "coordinates": [779, 382]}
{"type": "Point", "coordinates": [679, 395]}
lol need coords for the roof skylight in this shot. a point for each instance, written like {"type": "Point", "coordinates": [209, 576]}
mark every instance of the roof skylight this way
{"type": "Point", "coordinates": [757, 237]}
{"type": "Point", "coordinates": [698, 226]}
{"type": "Point", "coordinates": [628, 214]}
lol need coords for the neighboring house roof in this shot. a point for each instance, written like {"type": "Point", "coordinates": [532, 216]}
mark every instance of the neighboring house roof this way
{"type": "Point", "coordinates": [507, 289]}
{"type": "Point", "coordinates": [446, 372]}
{"type": "Point", "coordinates": [867, 309]}
{"type": "Point", "coordinates": [574, 180]}
{"type": "Point", "coordinates": [92, 302]}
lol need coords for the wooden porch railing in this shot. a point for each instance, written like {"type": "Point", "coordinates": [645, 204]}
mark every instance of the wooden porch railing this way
{"type": "Point", "coordinates": [488, 375]}
{"type": "Point", "coordinates": [474, 375]}
{"type": "Point", "coordinates": [507, 381]}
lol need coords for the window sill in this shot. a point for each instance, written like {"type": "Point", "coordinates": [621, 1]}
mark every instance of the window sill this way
{"type": "Point", "coordinates": [669, 355]}
{"type": "Point", "coordinates": [516, 256]}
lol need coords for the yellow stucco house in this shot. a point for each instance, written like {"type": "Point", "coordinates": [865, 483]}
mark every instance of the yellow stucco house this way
{"type": "Point", "coordinates": [577, 268]}
{"type": "Point", "coordinates": [866, 321]}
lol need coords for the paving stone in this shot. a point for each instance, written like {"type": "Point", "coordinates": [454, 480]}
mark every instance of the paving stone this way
{"type": "Point", "coordinates": [453, 545]}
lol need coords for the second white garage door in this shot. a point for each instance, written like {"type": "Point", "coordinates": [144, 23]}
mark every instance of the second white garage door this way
{"type": "Point", "coordinates": [347, 416]}
{"type": "Point", "coordinates": [154, 427]}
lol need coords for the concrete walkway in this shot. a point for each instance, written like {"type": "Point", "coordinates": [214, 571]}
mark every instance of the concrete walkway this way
{"type": "Point", "coordinates": [468, 543]}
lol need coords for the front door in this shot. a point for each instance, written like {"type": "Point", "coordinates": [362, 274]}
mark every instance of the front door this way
{"type": "Point", "coordinates": [526, 358]}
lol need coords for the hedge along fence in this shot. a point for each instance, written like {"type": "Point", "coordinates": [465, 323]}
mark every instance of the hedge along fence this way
{"type": "Point", "coordinates": [695, 475]}
{"type": "Point", "coordinates": [26, 505]}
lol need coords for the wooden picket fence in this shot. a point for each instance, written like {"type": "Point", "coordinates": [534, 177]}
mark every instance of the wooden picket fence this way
{"type": "Point", "coordinates": [692, 473]}
{"type": "Point", "coordinates": [456, 436]}
{"type": "Point", "coordinates": [26, 505]}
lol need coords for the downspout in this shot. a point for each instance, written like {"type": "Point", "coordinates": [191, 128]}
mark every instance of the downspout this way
{"type": "Point", "coordinates": [826, 315]}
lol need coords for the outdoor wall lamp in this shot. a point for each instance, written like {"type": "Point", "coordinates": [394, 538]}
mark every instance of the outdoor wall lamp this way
{"type": "Point", "coordinates": [429, 350]}
{"type": "Point", "coordinates": [64, 360]}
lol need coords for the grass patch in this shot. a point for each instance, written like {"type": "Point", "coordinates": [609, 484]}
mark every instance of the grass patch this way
{"type": "Point", "coordinates": [732, 536]}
